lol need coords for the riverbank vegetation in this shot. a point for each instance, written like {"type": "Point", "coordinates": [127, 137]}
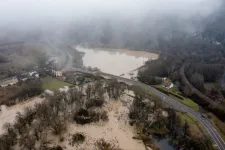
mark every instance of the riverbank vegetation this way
{"type": "Point", "coordinates": [217, 123]}
{"type": "Point", "coordinates": [185, 132]}
{"type": "Point", "coordinates": [176, 95]}
{"type": "Point", "coordinates": [190, 73]}
{"type": "Point", "coordinates": [14, 94]}
{"type": "Point", "coordinates": [61, 120]}
{"type": "Point", "coordinates": [20, 58]}
{"type": "Point", "coordinates": [37, 126]}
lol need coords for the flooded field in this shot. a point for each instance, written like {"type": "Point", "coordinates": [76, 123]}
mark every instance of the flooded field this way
{"type": "Point", "coordinates": [8, 114]}
{"type": "Point", "coordinates": [116, 61]}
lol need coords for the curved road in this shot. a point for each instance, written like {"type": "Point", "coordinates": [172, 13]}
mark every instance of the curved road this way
{"type": "Point", "coordinates": [218, 141]}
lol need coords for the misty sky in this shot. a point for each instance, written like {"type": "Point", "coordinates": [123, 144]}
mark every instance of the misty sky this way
{"type": "Point", "coordinates": [90, 20]}
{"type": "Point", "coordinates": [42, 12]}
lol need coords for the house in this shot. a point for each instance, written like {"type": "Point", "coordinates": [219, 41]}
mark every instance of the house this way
{"type": "Point", "coordinates": [36, 75]}
{"type": "Point", "coordinates": [9, 81]}
{"type": "Point", "coordinates": [57, 73]}
{"type": "Point", "coordinates": [218, 43]}
{"type": "Point", "coordinates": [23, 77]}
{"type": "Point", "coordinates": [32, 73]}
{"type": "Point", "coordinates": [168, 85]}
{"type": "Point", "coordinates": [49, 92]}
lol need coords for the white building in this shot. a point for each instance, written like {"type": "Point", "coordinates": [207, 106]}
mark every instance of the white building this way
{"type": "Point", "coordinates": [32, 73]}
{"type": "Point", "coordinates": [36, 75]}
{"type": "Point", "coordinates": [57, 73]}
{"type": "Point", "coordinates": [49, 92]}
{"type": "Point", "coordinates": [9, 81]}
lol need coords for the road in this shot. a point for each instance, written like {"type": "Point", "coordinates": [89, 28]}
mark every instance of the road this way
{"type": "Point", "coordinates": [218, 141]}
{"type": "Point", "coordinates": [193, 89]}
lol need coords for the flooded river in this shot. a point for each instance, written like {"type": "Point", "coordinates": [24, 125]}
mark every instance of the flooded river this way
{"type": "Point", "coordinates": [115, 61]}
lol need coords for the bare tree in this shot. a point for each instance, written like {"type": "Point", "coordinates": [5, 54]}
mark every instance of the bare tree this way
{"type": "Point", "coordinates": [28, 142]}
{"type": "Point", "coordinates": [6, 142]}
{"type": "Point", "coordinates": [88, 91]}
{"type": "Point", "coordinates": [10, 129]}
{"type": "Point", "coordinates": [38, 128]}
{"type": "Point", "coordinates": [186, 128]}
{"type": "Point", "coordinates": [57, 125]}
{"type": "Point", "coordinates": [29, 115]}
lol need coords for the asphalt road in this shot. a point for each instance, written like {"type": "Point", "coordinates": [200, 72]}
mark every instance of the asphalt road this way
{"type": "Point", "coordinates": [179, 106]}
{"type": "Point", "coordinates": [217, 139]}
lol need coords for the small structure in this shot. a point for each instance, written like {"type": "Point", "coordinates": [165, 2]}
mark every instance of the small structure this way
{"type": "Point", "coordinates": [49, 92]}
{"type": "Point", "coordinates": [36, 75]}
{"type": "Point", "coordinates": [57, 73]}
{"type": "Point", "coordinates": [168, 85]}
{"type": "Point", "coordinates": [217, 43]}
{"type": "Point", "coordinates": [9, 81]}
{"type": "Point", "coordinates": [32, 73]}
{"type": "Point", "coordinates": [23, 77]}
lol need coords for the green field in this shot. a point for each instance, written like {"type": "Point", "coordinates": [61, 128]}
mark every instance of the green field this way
{"type": "Point", "coordinates": [176, 95]}
{"type": "Point", "coordinates": [186, 101]}
{"type": "Point", "coordinates": [217, 123]}
{"type": "Point", "coordinates": [196, 128]}
{"type": "Point", "coordinates": [53, 84]}
{"type": "Point", "coordinates": [186, 117]}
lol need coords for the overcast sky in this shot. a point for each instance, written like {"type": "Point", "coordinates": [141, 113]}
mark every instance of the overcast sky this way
{"type": "Point", "coordinates": [18, 12]}
{"type": "Point", "coordinates": [60, 17]}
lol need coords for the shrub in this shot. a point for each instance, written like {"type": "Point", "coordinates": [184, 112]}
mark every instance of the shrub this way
{"type": "Point", "coordinates": [103, 145]}
{"type": "Point", "coordinates": [94, 103]}
{"type": "Point", "coordinates": [84, 116]}
{"type": "Point", "coordinates": [56, 148]}
{"type": "Point", "coordinates": [77, 138]}
{"type": "Point", "coordinates": [98, 115]}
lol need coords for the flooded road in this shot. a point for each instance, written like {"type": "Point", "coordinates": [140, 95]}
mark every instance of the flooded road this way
{"type": "Point", "coordinates": [115, 61]}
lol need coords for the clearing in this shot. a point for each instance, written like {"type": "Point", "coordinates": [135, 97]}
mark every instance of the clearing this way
{"type": "Point", "coordinates": [53, 84]}
{"type": "Point", "coordinates": [217, 123]}
{"type": "Point", "coordinates": [178, 97]}
{"type": "Point", "coordinates": [195, 128]}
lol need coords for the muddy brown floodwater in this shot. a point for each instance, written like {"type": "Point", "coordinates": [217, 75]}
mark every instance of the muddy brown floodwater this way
{"type": "Point", "coordinates": [115, 61]}
{"type": "Point", "coordinates": [8, 114]}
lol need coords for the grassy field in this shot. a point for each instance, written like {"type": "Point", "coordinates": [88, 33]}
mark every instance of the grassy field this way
{"type": "Point", "coordinates": [53, 83]}
{"type": "Point", "coordinates": [176, 95]}
{"type": "Point", "coordinates": [211, 85]}
{"type": "Point", "coordinates": [217, 123]}
{"type": "Point", "coordinates": [186, 101]}
{"type": "Point", "coordinates": [196, 129]}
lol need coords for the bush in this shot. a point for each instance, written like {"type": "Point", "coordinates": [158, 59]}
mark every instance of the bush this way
{"type": "Point", "coordinates": [94, 103]}
{"type": "Point", "coordinates": [77, 139]}
{"type": "Point", "coordinates": [56, 148]}
{"type": "Point", "coordinates": [98, 115]}
{"type": "Point", "coordinates": [84, 116]}
{"type": "Point", "coordinates": [103, 145]}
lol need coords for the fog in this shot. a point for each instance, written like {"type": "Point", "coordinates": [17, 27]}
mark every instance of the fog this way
{"type": "Point", "coordinates": [93, 19]}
